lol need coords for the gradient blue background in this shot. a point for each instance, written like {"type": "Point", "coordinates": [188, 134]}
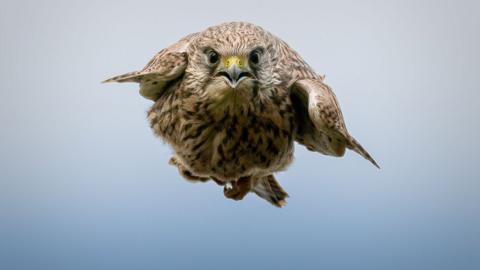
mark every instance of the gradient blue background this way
{"type": "Point", "coordinates": [85, 185]}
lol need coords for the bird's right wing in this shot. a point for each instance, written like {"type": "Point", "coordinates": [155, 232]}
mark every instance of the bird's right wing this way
{"type": "Point", "coordinates": [165, 67]}
{"type": "Point", "coordinates": [320, 124]}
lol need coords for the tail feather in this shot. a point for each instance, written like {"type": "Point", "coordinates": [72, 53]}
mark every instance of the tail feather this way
{"type": "Point", "coordinates": [269, 189]}
{"type": "Point", "coordinates": [357, 147]}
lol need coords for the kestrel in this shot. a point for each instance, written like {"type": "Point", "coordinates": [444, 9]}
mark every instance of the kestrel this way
{"type": "Point", "coordinates": [231, 101]}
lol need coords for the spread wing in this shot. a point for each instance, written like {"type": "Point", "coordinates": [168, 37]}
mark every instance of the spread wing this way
{"type": "Point", "coordinates": [166, 66]}
{"type": "Point", "coordinates": [320, 122]}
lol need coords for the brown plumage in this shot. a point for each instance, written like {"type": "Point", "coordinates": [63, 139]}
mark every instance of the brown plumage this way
{"type": "Point", "coordinates": [231, 101]}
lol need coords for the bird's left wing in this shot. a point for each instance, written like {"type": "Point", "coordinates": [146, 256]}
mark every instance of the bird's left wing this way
{"type": "Point", "coordinates": [320, 121]}
{"type": "Point", "coordinates": [166, 66]}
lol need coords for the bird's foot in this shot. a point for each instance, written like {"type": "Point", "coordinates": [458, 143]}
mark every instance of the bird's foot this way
{"type": "Point", "coordinates": [238, 189]}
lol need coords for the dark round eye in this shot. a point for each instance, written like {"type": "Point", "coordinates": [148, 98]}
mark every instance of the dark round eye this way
{"type": "Point", "coordinates": [255, 57]}
{"type": "Point", "coordinates": [212, 57]}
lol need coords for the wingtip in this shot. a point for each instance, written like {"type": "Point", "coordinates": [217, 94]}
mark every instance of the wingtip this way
{"type": "Point", "coordinates": [107, 81]}
{"type": "Point", "coordinates": [375, 164]}
{"type": "Point", "coordinates": [357, 147]}
{"type": "Point", "coordinates": [123, 78]}
{"type": "Point", "coordinates": [111, 79]}
{"type": "Point", "coordinates": [367, 156]}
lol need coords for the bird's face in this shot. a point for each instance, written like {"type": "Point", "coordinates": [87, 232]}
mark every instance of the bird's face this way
{"type": "Point", "coordinates": [234, 69]}
{"type": "Point", "coordinates": [232, 72]}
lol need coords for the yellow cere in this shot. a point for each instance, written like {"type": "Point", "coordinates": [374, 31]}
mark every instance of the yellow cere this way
{"type": "Point", "coordinates": [234, 60]}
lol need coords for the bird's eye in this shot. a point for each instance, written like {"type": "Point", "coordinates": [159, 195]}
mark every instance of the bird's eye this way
{"type": "Point", "coordinates": [255, 57]}
{"type": "Point", "coordinates": [212, 57]}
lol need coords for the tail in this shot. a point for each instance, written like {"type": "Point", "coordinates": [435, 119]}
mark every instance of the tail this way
{"type": "Point", "coordinates": [269, 189]}
{"type": "Point", "coordinates": [355, 146]}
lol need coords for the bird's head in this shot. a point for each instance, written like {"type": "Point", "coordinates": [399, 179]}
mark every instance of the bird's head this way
{"type": "Point", "coordinates": [230, 65]}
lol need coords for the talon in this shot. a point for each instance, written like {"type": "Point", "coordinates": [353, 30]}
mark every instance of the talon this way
{"type": "Point", "coordinates": [237, 190]}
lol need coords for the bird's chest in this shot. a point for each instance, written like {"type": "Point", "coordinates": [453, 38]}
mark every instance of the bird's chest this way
{"type": "Point", "coordinates": [231, 146]}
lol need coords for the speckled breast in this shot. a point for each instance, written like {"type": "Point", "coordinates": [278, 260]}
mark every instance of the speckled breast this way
{"type": "Point", "coordinates": [235, 145]}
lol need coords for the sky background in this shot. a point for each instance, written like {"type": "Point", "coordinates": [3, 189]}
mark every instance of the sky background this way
{"type": "Point", "coordinates": [85, 185]}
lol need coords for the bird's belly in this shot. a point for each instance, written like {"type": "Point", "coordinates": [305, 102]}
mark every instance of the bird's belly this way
{"type": "Point", "coordinates": [227, 142]}
{"type": "Point", "coordinates": [228, 152]}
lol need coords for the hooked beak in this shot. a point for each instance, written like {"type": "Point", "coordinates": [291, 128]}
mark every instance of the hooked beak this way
{"type": "Point", "coordinates": [235, 70]}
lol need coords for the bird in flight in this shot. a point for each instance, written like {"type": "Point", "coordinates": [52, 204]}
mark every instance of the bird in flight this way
{"type": "Point", "coordinates": [232, 100]}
